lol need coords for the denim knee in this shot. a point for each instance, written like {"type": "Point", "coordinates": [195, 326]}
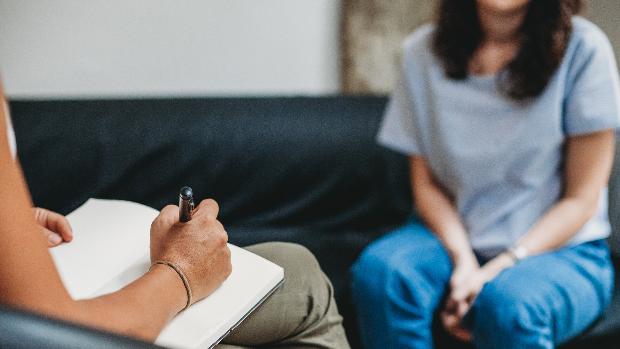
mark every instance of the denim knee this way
{"type": "Point", "coordinates": [395, 267]}
{"type": "Point", "coordinates": [397, 283]}
{"type": "Point", "coordinates": [505, 317]}
{"type": "Point", "coordinates": [368, 270]}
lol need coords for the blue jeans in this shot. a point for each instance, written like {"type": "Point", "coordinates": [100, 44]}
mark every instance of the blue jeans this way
{"type": "Point", "coordinates": [400, 281]}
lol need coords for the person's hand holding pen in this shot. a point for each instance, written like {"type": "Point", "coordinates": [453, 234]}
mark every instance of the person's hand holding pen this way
{"type": "Point", "coordinates": [198, 248]}
{"type": "Point", "coordinates": [55, 227]}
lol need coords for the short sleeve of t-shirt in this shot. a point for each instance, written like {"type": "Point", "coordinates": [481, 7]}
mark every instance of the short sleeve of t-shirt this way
{"type": "Point", "coordinates": [593, 94]}
{"type": "Point", "coordinates": [398, 128]}
{"type": "Point", "coordinates": [401, 129]}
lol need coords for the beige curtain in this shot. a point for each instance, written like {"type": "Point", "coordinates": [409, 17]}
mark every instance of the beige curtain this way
{"type": "Point", "coordinates": [372, 33]}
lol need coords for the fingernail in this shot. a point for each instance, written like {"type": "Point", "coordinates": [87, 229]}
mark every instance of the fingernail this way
{"type": "Point", "coordinates": [54, 239]}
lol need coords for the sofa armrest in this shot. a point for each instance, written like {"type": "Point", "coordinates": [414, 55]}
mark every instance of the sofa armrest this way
{"type": "Point", "coordinates": [19, 329]}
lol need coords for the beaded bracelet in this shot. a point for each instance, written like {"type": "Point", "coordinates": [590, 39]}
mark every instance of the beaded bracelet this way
{"type": "Point", "coordinates": [178, 270]}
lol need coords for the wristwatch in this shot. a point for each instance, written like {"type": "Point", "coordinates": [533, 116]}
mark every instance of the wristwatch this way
{"type": "Point", "coordinates": [518, 253]}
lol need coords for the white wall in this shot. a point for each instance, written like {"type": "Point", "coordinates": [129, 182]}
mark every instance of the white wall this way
{"type": "Point", "coordinates": [69, 48]}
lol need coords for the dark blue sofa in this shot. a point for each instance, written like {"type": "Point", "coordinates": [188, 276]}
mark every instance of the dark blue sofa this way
{"type": "Point", "coordinates": [305, 170]}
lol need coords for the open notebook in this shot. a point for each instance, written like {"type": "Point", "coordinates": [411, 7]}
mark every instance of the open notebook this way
{"type": "Point", "coordinates": [110, 249]}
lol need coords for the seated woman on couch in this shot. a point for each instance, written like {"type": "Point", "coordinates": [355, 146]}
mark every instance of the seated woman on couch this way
{"type": "Point", "coordinates": [507, 109]}
{"type": "Point", "coordinates": [302, 313]}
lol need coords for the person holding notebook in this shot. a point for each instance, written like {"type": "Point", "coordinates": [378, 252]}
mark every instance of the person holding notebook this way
{"type": "Point", "coordinates": [302, 313]}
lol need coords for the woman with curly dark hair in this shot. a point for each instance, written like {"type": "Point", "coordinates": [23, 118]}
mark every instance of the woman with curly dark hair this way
{"type": "Point", "coordinates": [508, 111]}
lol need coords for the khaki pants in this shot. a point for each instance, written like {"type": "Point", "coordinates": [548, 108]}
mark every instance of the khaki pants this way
{"type": "Point", "coordinates": [301, 314]}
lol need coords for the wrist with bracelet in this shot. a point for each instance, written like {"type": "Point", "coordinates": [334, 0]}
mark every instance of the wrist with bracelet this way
{"type": "Point", "coordinates": [517, 253]}
{"type": "Point", "coordinates": [505, 260]}
{"type": "Point", "coordinates": [181, 274]}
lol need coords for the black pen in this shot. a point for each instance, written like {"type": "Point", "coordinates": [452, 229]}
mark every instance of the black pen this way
{"type": "Point", "coordinates": [186, 204]}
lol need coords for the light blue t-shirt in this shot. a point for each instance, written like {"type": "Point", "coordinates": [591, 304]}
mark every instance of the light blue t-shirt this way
{"type": "Point", "coordinates": [500, 160]}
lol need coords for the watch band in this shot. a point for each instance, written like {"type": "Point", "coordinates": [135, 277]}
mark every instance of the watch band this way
{"type": "Point", "coordinates": [518, 253]}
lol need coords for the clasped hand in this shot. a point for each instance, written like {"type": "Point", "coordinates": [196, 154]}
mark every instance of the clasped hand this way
{"type": "Point", "coordinates": [467, 280]}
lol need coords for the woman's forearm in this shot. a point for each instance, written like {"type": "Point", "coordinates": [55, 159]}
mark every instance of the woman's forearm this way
{"type": "Point", "coordinates": [139, 310]}
{"type": "Point", "coordinates": [559, 224]}
{"type": "Point", "coordinates": [551, 232]}
{"type": "Point", "coordinates": [438, 212]}
{"type": "Point", "coordinates": [442, 219]}
{"type": "Point", "coordinates": [587, 168]}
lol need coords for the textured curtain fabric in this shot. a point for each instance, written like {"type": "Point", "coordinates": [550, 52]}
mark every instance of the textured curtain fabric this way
{"type": "Point", "coordinates": [372, 33]}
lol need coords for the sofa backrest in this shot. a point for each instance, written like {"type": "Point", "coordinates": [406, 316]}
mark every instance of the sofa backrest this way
{"type": "Point", "coordinates": [21, 329]}
{"type": "Point", "coordinates": [270, 162]}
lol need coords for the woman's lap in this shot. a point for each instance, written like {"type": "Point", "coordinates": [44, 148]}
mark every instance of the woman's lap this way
{"type": "Point", "coordinates": [401, 276]}
{"type": "Point", "coordinates": [558, 294]}
{"type": "Point", "coordinates": [400, 280]}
